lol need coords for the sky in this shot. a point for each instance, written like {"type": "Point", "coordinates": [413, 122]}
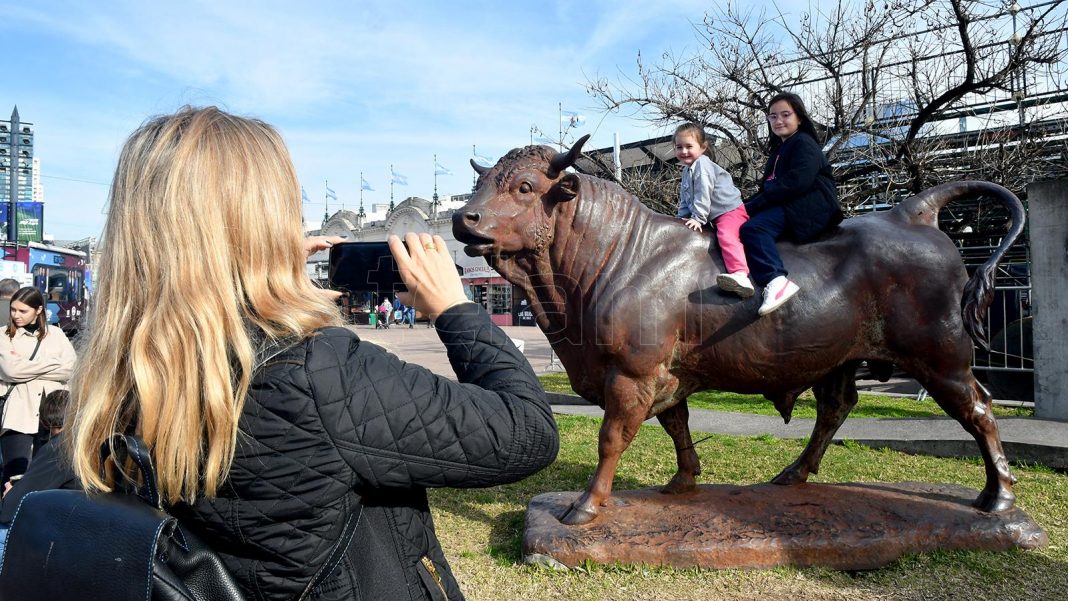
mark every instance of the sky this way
{"type": "Point", "coordinates": [354, 87]}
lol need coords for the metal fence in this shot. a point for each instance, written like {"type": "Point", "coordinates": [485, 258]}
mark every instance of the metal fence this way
{"type": "Point", "coordinates": [1008, 368]}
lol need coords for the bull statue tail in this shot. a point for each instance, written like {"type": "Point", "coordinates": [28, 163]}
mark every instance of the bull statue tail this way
{"type": "Point", "coordinates": [923, 208]}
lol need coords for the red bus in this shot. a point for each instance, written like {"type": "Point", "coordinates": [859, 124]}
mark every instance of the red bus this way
{"type": "Point", "coordinates": [62, 277]}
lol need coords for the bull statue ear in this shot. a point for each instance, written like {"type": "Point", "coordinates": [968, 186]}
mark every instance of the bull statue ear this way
{"type": "Point", "coordinates": [563, 160]}
{"type": "Point", "coordinates": [567, 188]}
{"type": "Point", "coordinates": [479, 169]}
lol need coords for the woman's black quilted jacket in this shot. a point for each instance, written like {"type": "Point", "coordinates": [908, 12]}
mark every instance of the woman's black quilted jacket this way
{"type": "Point", "coordinates": [334, 424]}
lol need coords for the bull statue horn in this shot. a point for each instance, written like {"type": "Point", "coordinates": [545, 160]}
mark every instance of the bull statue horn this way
{"type": "Point", "coordinates": [563, 160]}
{"type": "Point", "coordinates": [479, 169]}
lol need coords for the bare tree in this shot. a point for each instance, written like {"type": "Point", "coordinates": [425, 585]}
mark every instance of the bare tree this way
{"type": "Point", "coordinates": [888, 84]}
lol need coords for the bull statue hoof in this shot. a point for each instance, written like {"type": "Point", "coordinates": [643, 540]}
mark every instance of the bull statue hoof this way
{"type": "Point", "coordinates": [790, 476]}
{"type": "Point", "coordinates": [578, 514]}
{"type": "Point", "coordinates": [995, 502]}
{"type": "Point", "coordinates": [679, 484]}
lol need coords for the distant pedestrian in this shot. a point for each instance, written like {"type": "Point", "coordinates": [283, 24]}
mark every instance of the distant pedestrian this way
{"type": "Point", "coordinates": [8, 287]}
{"type": "Point", "coordinates": [384, 311]}
{"type": "Point", "coordinates": [50, 468]}
{"type": "Point", "coordinates": [53, 412]}
{"type": "Point", "coordinates": [35, 359]}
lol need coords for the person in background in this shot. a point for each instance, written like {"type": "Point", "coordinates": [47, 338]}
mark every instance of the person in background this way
{"type": "Point", "coordinates": [398, 311]}
{"type": "Point", "coordinates": [384, 311]}
{"type": "Point", "coordinates": [707, 194]}
{"type": "Point", "coordinates": [53, 410]}
{"type": "Point", "coordinates": [797, 198]}
{"type": "Point", "coordinates": [343, 304]}
{"type": "Point", "coordinates": [272, 428]}
{"type": "Point", "coordinates": [50, 468]}
{"type": "Point", "coordinates": [8, 287]}
{"type": "Point", "coordinates": [46, 472]}
{"type": "Point", "coordinates": [35, 359]}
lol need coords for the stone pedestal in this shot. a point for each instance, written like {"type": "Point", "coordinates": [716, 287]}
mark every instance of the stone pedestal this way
{"type": "Point", "coordinates": [838, 526]}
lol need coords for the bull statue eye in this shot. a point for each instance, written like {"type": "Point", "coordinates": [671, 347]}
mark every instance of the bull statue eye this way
{"type": "Point", "coordinates": [524, 188]}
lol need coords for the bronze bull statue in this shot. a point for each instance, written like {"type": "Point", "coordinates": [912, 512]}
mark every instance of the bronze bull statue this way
{"type": "Point", "coordinates": [627, 299]}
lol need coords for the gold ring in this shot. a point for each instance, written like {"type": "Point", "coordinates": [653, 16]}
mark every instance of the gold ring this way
{"type": "Point", "coordinates": [429, 246]}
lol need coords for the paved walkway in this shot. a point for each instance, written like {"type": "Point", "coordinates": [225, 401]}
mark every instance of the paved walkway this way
{"type": "Point", "coordinates": [1025, 439]}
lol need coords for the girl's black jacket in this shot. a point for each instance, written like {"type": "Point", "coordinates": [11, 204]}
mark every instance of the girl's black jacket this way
{"type": "Point", "coordinates": [334, 426]}
{"type": "Point", "coordinates": [803, 186]}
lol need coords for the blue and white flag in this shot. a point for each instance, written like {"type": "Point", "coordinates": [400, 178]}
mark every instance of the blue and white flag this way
{"type": "Point", "coordinates": [572, 118]}
{"type": "Point", "coordinates": [330, 193]}
{"type": "Point", "coordinates": [365, 186]}
{"type": "Point", "coordinates": [400, 180]}
{"type": "Point", "coordinates": [484, 161]}
{"type": "Point", "coordinates": [440, 169]}
{"type": "Point", "coordinates": [303, 195]}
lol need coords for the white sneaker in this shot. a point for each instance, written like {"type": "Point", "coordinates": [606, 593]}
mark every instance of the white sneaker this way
{"type": "Point", "coordinates": [737, 282]}
{"type": "Point", "coordinates": [777, 292]}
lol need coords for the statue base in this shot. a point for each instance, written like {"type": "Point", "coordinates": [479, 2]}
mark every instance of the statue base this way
{"type": "Point", "coordinates": [855, 526]}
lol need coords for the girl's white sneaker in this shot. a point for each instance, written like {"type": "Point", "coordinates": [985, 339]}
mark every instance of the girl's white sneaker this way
{"type": "Point", "coordinates": [737, 282]}
{"type": "Point", "coordinates": [777, 292]}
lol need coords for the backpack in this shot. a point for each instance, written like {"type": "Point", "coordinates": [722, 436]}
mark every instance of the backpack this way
{"type": "Point", "coordinates": [119, 545]}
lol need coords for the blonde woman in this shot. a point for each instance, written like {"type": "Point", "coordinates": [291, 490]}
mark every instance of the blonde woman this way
{"type": "Point", "coordinates": [270, 426]}
{"type": "Point", "coordinates": [35, 359]}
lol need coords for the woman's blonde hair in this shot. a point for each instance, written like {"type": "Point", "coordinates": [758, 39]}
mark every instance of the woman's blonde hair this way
{"type": "Point", "coordinates": [202, 250]}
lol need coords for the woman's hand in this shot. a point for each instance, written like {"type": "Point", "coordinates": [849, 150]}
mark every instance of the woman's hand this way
{"type": "Point", "coordinates": [313, 244]}
{"type": "Point", "coordinates": [427, 269]}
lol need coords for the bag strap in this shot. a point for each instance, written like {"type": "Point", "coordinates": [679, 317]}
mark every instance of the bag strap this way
{"type": "Point", "coordinates": [134, 448]}
{"type": "Point", "coordinates": [35, 347]}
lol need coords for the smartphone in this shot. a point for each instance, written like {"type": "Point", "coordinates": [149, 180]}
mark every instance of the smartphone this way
{"type": "Point", "coordinates": [364, 267]}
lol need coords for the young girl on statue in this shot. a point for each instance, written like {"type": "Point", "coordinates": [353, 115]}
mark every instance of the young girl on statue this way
{"type": "Point", "coordinates": [797, 200]}
{"type": "Point", "coordinates": [707, 195]}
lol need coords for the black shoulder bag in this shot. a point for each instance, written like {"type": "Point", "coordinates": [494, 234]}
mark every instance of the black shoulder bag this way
{"type": "Point", "coordinates": [118, 546]}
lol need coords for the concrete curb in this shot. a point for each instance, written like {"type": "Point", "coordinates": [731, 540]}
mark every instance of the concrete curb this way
{"type": "Point", "coordinates": [1026, 439]}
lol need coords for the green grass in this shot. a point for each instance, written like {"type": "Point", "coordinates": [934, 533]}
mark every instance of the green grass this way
{"type": "Point", "coordinates": [870, 405]}
{"type": "Point", "coordinates": [481, 529]}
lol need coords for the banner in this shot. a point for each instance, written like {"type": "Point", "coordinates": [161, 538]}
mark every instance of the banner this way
{"type": "Point", "coordinates": [29, 221]}
{"type": "Point", "coordinates": [522, 315]}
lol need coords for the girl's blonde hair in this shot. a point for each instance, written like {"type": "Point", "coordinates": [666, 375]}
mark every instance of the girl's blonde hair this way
{"type": "Point", "coordinates": [202, 249]}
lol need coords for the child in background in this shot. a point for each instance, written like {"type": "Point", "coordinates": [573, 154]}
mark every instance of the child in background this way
{"type": "Point", "coordinates": [707, 194]}
{"type": "Point", "coordinates": [53, 410]}
{"type": "Point", "coordinates": [50, 468]}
